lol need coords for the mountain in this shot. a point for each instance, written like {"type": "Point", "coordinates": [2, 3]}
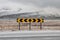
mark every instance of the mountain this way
{"type": "Point", "coordinates": [28, 15]}
{"type": "Point", "coordinates": [46, 13]}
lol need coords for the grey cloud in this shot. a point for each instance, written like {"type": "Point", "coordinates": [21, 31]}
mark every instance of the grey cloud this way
{"type": "Point", "coordinates": [47, 11]}
{"type": "Point", "coordinates": [40, 3]}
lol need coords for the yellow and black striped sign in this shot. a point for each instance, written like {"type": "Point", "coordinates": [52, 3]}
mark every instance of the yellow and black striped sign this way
{"type": "Point", "coordinates": [18, 20]}
{"type": "Point", "coordinates": [30, 20]}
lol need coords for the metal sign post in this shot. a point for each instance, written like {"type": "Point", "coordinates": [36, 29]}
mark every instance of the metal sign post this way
{"type": "Point", "coordinates": [29, 25]}
{"type": "Point", "coordinates": [19, 26]}
{"type": "Point", "coordinates": [30, 20]}
{"type": "Point", "coordinates": [41, 21]}
{"type": "Point", "coordinates": [40, 26]}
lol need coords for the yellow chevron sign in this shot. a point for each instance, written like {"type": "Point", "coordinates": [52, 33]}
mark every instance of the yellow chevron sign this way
{"type": "Point", "coordinates": [41, 20]}
{"type": "Point", "coordinates": [18, 20]}
{"type": "Point", "coordinates": [30, 20]}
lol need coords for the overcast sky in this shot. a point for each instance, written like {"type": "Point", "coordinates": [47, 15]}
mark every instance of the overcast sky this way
{"type": "Point", "coordinates": [40, 3]}
{"type": "Point", "coordinates": [30, 5]}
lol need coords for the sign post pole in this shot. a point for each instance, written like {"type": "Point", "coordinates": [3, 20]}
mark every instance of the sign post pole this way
{"type": "Point", "coordinates": [40, 26]}
{"type": "Point", "coordinates": [30, 26]}
{"type": "Point", "coordinates": [19, 26]}
{"type": "Point", "coordinates": [29, 21]}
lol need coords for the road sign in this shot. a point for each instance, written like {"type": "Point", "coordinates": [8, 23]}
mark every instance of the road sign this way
{"type": "Point", "coordinates": [30, 20]}
{"type": "Point", "coordinates": [18, 20]}
{"type": "Point", "coordinates": [41, 20]}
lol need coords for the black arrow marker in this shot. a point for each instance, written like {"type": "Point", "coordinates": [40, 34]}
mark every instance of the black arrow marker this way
{"type": "Point", "coordinates": [21, 20]}
{"type": "Point", "coordinates": [34, 20]}
{"type": "Point", "coordinates": [38, 20]}
{"type": "Point", "coordinates": [30, 20]}
{"type": "Point", "coordinates": [25, 20]}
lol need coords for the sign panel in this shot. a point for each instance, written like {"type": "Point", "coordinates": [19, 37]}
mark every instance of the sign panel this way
{"type": "Point", "coordinates": [18, 20]}
{"type": "Point", "coordinates": [30, 20]}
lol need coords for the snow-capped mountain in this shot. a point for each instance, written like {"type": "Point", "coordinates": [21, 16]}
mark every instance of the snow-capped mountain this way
{"type": "Point", "coordinates": [47, 13]}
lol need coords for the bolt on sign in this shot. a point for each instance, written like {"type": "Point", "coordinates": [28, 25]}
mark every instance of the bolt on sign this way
{"type": "Point", "coordinates": [30, 20]}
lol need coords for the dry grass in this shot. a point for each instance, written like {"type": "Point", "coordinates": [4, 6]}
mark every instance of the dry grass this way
{"type": "Point", "coordinates": [13, 25]}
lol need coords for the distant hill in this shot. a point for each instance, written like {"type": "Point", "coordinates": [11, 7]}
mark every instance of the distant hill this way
{"type": "Point", "coordinates": [48, 13]}
{"type": "Point", "coordinates": [28, 15]}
